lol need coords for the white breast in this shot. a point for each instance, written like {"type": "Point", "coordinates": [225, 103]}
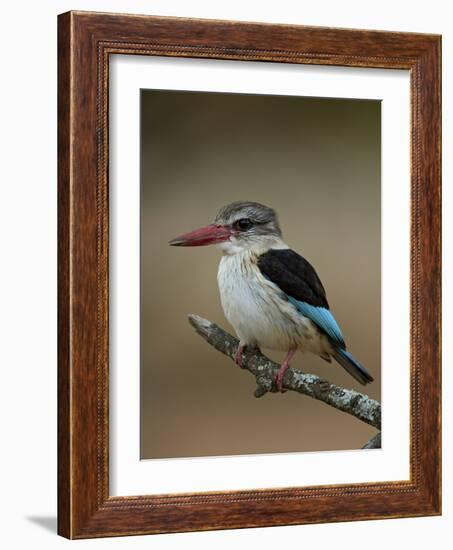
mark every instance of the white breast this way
{"type": "Point", "coordinates": [257, 309]}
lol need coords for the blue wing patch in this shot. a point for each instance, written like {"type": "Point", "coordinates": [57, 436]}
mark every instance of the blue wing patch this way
{"type": "Point", "coordinates": [322, 318]}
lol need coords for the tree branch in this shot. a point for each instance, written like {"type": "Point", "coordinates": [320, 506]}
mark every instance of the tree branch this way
{"type": "Point", "coordinates": [349, 401]}
{"type": "Point", "coordinates": [374, 442]}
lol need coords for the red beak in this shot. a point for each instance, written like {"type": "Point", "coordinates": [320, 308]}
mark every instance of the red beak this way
{"type": "Point", "coordinates": [211, 234]}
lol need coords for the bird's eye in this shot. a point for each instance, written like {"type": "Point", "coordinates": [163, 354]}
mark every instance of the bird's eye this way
{"type": "Point", "coordinates": [243, 224]}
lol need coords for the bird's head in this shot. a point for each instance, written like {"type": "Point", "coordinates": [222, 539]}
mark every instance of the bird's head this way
{"type": "Point", "coordinates": [237, 226]}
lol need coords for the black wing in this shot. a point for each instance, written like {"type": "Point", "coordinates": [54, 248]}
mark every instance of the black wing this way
{"type": "Point", "coordinates": [294, 275]}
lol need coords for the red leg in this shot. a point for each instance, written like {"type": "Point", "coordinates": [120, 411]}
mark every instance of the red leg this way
{"type": "Point", "coordinates": [282, 369]}
{"type": "Point", "coordinates": [238, 356]}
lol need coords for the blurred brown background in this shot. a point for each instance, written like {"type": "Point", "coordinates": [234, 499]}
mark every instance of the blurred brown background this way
{"type": "Point", "coordinates": [317, 162]}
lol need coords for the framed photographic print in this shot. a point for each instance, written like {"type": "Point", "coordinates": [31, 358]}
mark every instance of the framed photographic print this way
{"type": "Point", "coordinates": [249, 275]}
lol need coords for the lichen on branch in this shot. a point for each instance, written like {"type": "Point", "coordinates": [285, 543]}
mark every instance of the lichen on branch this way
{"type": "Point", "coordinates": [349, 401]}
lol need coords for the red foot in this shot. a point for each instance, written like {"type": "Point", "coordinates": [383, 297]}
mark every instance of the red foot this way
{"type": "Point", "coordinates": [282, 370]}
{"type": "Point", "coordinates": [279, 378]}
{"type": "Point", "coordinates": [238, 356]}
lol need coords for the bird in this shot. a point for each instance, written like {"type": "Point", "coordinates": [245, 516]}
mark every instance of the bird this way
{"type": "Point", "coordinates": [271, 295]}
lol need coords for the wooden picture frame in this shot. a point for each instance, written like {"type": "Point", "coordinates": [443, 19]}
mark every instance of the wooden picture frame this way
{"type": "Point", "coordinates": [85, 42]}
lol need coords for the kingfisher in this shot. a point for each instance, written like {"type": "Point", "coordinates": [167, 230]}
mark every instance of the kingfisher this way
{"type": "Point", "coordinates": [270, 294]}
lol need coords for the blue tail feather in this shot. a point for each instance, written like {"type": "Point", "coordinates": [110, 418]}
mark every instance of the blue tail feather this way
{"type": "Point", "coordinates": [352, 366]}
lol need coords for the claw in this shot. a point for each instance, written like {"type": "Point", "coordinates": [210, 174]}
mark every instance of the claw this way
{"type": "Point", "coordinates": [282, 370]}
{"type": "Point", "coordinates": [279, 380]}
{"type": "Point", "coordinates": [238, 356]}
